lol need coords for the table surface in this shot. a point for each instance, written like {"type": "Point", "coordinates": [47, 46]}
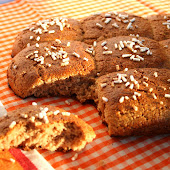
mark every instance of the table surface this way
{"type": "Point", "coordinates": [104, 152]}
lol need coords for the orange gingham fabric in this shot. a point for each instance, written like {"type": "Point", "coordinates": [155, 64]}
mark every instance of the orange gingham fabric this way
{"type": "Point", "coordinates": [104, 152]}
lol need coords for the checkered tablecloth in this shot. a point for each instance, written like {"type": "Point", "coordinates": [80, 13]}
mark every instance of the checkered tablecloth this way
{"type": "Point", "coordinates": [104, 152]}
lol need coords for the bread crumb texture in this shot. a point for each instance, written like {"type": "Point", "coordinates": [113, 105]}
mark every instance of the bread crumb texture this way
{"type": "Point", "coordinates": [45, 127]}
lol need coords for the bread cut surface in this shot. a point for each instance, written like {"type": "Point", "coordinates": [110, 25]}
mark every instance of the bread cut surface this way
{"type": "Point", "coordinates": [45, 127]}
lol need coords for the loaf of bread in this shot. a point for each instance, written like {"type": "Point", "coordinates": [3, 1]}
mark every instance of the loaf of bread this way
{"type": "Point", "coordinates": [135, 102]}
{"type": "Point", "coordinates": [53, 58]}
{"type": "Point", "coordinates": [45, 127]}
{"type": "Point", "coordinates": [47, 30]}
{"type": "Point", "coordinates": [122, 52]}
{"type": "Point", "coordinates": [54, 68]}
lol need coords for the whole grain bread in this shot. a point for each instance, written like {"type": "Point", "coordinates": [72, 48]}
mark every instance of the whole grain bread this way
{"type": "Point", "coordinates": [54, 68]}
{"type": "Point", "coordinates": [134, 102]}
{"type": "Point", "coordinates": [45, 127]}
{"type": "Point", "coordinates": [47, 30]}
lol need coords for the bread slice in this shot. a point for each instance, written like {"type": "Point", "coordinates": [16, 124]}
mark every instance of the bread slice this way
{"type": "Point", "coordinates": [45, 127]}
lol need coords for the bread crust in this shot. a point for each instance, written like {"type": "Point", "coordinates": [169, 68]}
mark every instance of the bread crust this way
{"type": "Point", "coordinates": [117, 26]}
{"type": "Point", "coordinates": [165, 45]}
{"type": "Point", "coordinates": [138, 109]}
{"type": "Point", "coordinates": [71, 68]}
{"type": "Point", "coordinates": [148, 52]}
{"type": "Point", "coordinates": [161, 30]}
{"type": "Point", "coordinates": [48, 30]}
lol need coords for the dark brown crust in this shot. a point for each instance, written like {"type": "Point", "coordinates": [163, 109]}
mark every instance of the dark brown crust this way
{"type": "Point", "coordinates": [150, 118]}
{"type": "Point", "coordinates": [92, 33]}
{"type": "Point", "coordinates": [27, 77]}
{"type": "Point", "coordinates": [160, 31]}
{"type": "Point", "coordinates": [87, 134]}
{"type": "Point", "coordinates": [68, 33]}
